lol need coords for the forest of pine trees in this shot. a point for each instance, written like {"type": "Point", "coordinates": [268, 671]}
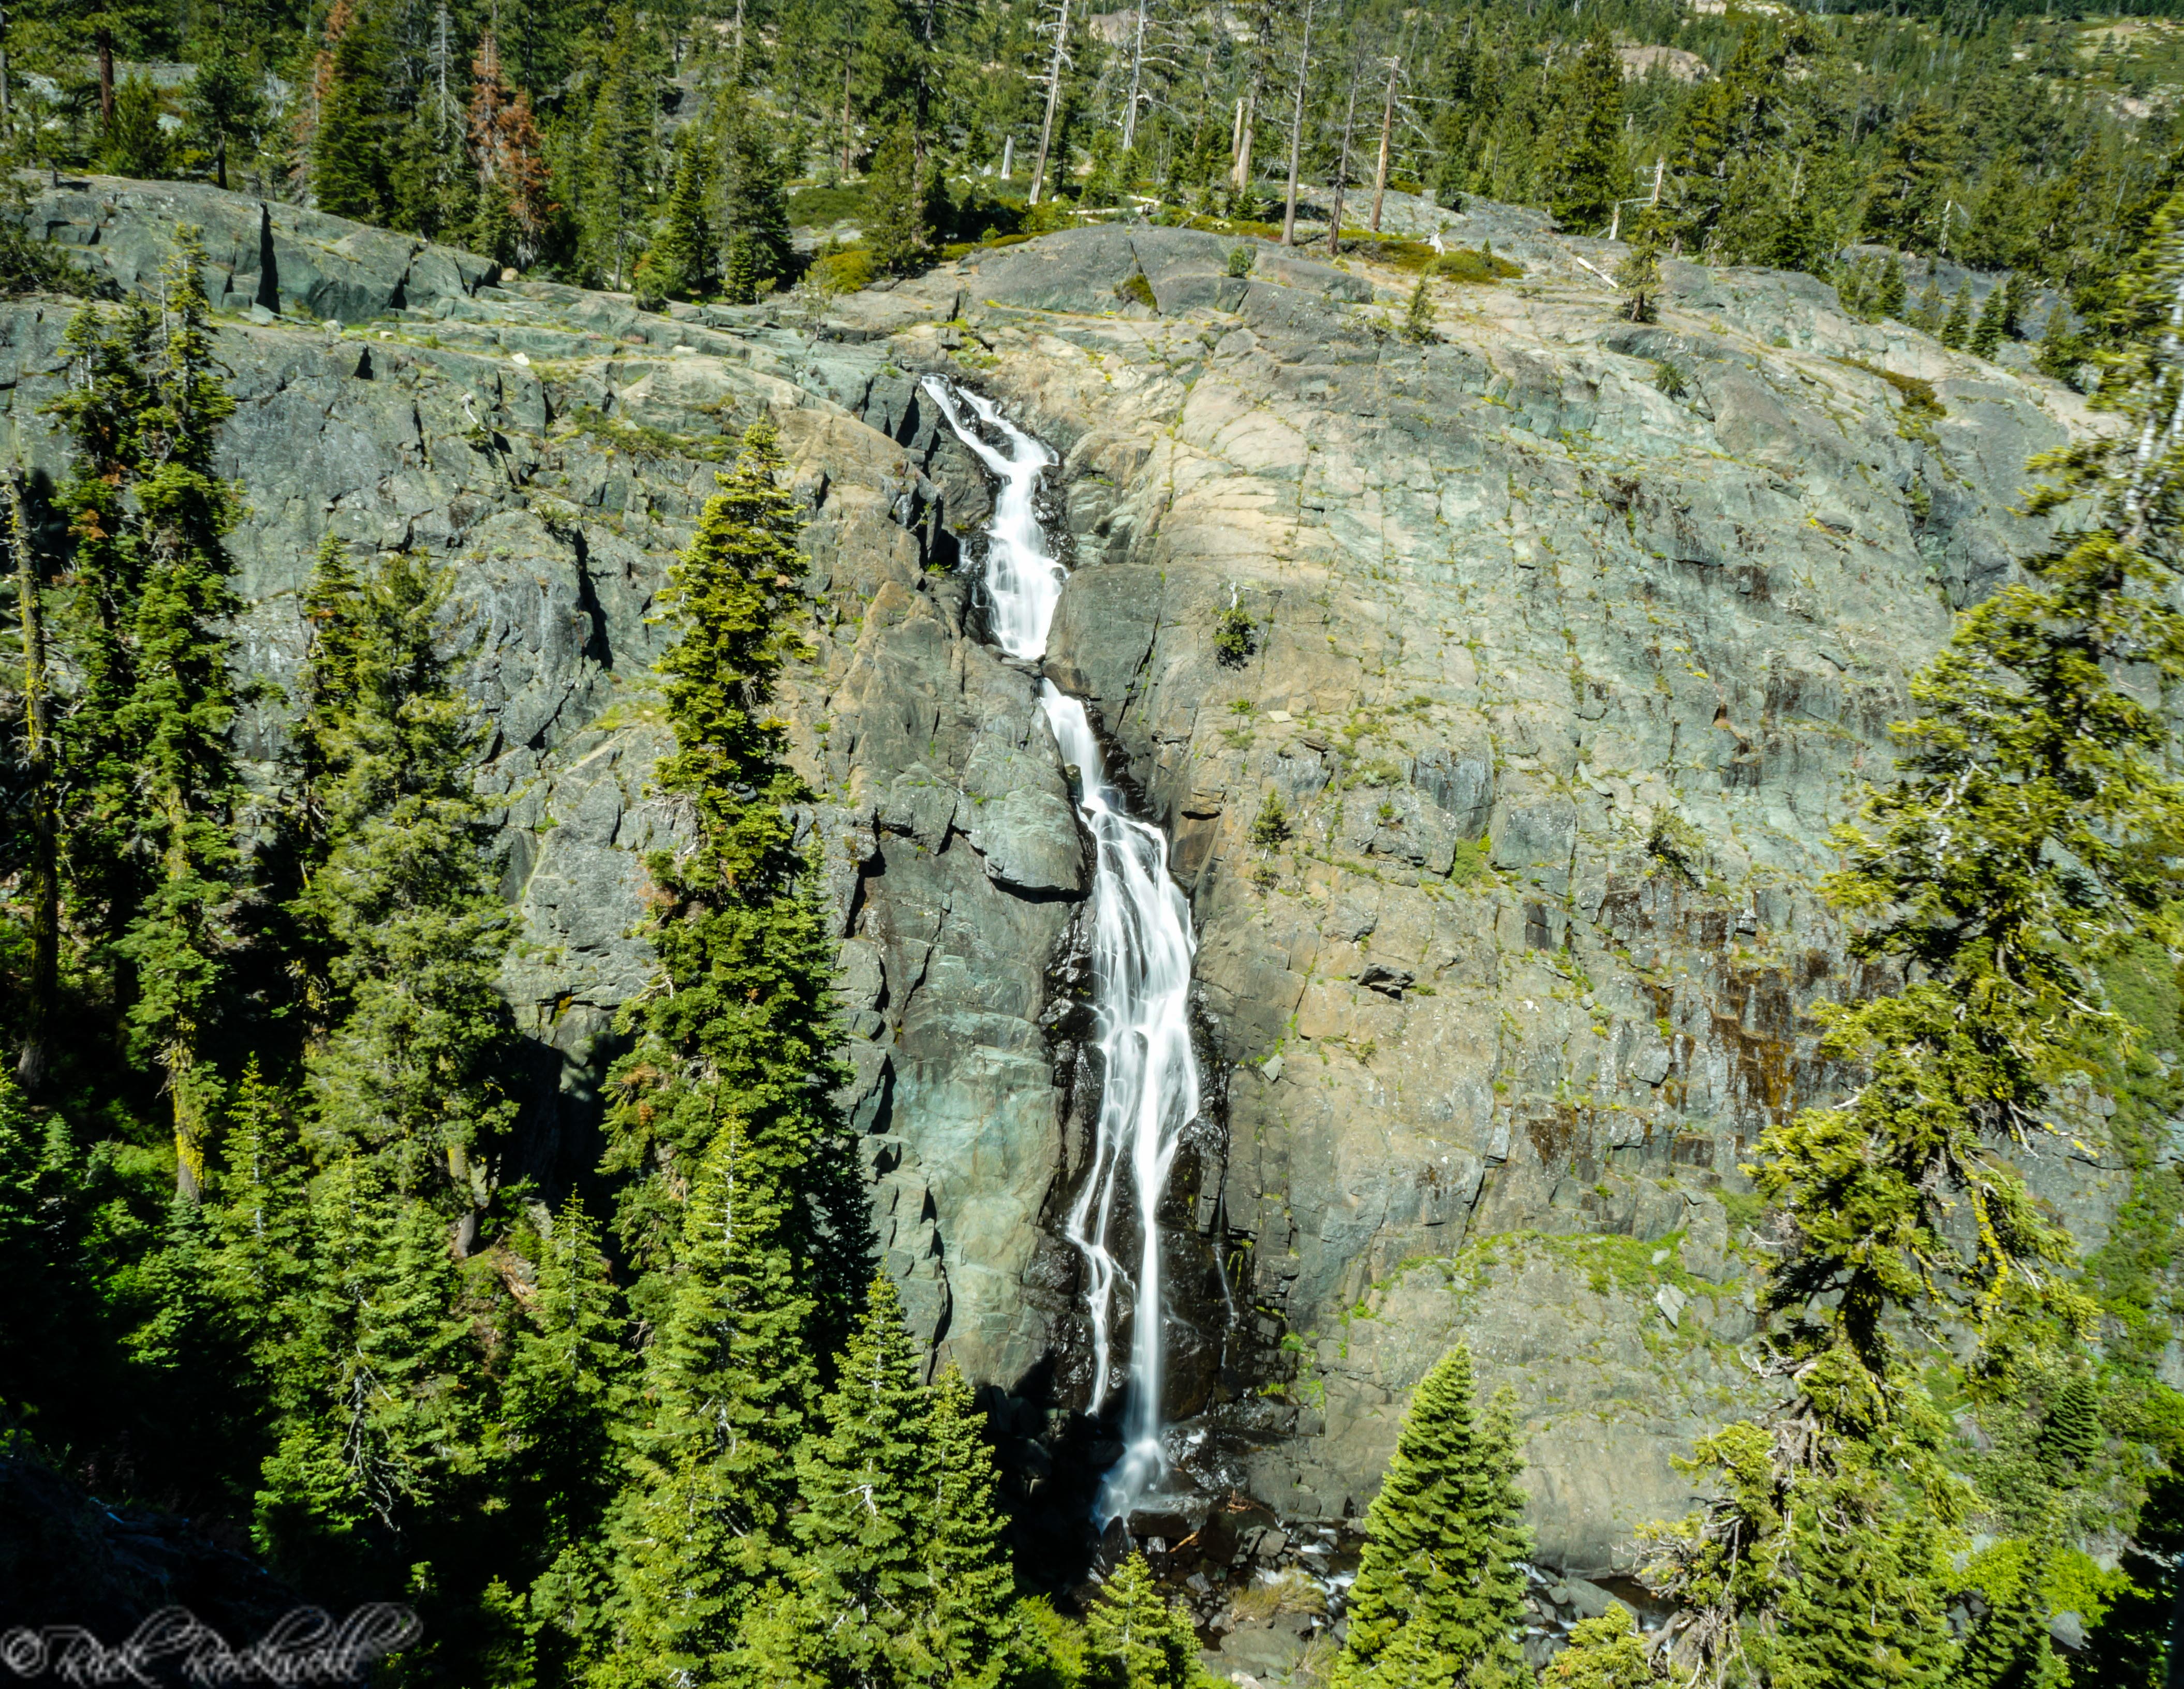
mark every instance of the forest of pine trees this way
{"type": "Point", "coordinates": [666, 150]}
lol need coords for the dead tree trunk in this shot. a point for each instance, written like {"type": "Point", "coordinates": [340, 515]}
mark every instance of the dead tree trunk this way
{"type": "Point", "coordinates": [1387, 131]}
{"type": "Point", "coordinates": [1296, 127]}
{"type": "Point", "coordinates": [1342, 171]}
{"type": "Point", "coordinates": [1055, 66]}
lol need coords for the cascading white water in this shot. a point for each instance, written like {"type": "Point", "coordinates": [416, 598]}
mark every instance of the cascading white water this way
{"type": "Point", "coordinates": [1142, 945]}
{"type": "Point", "coordinates": [1141, 951]}
{"type": "Point", "coordinates": [1024, 583]}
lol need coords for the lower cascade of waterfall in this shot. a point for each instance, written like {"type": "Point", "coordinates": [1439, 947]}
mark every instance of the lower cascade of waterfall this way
{"type": "Point", "coordinates": [1141, 948]}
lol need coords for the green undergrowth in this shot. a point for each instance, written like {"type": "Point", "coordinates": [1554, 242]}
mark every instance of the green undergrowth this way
{"type": "Point", "coordinates": [816, 207]}
{"type": "Point", "coordinates": [1467, 264]}
{"type": "Point", "coordinates": [2132, 1274]}
{"type": "Point", "coordinates": [1917, 395]}
{"type": "Point", "coordinates": [639, 441]}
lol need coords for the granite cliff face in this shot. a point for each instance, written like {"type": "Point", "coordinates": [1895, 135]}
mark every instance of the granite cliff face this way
{"type": "Point", "coordinates": [1570, 637]}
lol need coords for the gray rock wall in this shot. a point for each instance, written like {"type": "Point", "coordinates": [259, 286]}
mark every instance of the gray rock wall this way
{"type": "Point", "coordinates": [1562, 680]}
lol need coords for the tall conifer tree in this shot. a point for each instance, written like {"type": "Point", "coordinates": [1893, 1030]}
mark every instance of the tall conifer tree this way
{"type": "Point", "coordinates": [403, 901]}
{"type": "Point", "coordinates": [349, 141]}
{"type": "Point", "coordinates": [1587, 173]}
{"type": "Point", "coordinates": [1443, 1540]}
{"type": "Point", "coordinates": [618, 155]}
{"type": "Point", "coordinates": [150, 742]}
{"type": "Point", "coordinates": [726, 1088]}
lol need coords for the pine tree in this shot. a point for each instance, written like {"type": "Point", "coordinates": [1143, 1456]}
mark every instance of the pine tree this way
{"type": "Point", "coordinates": [898, 223]}
{"type": "Point", "coordinates": [618, 157]}
{"type": "Point", "coordinates": [1607, 1652]}
{"type": "Point", "coordinates": [1958, 328]}
{"type": "Point", "coordinates": [1638, 277]}
{"type": "Point", "coordinates": [730, 1381]}
{"type": "Point", "coordinates": [1419, 320]}
{"type": "Point", "coordinates": [2008, 1647]}
{"type": "Point", "coordinates": [102, 410]}
{"type": "Point", "coordinates": [865, 1573]}
{"type": "Point", "coordinates": [135, 145]}
{"type": "Point", "coordinates": [1987, 333]}
{"type": "Point", "coordinates": [1588, 172]}
{"type": "Point", "coordinates": [1413, 1660]}
{"type": "Point", "coordinates": [754, 209]}
{"type": "Point", "coordinates": [749, 1022]}
{"type": "Point", "coordinates": [2059, 355]}
{"type": "Point", "coordinates": [681, 261]}
{"type": "Point", "coordinates": [562, 1423]}
{"type": "Point", "coordinates": [2012, 305]}
{"type": "Point", "coordinates": [176, 718]}
{"type": "Point", "coordinates": [431, 189]}
{"type": "Point", "coordinates": [514, 188]}
{"type": "Point", "coordinates": [1443, 1540]}
{"type": "Point", "coordinates": [1909, 192]}
{"type": "Point", "coordinates": [2016, 850]}
{"type": "Point", "coordinates": [381, 1439]}
{"type": "Point", "coordinates": [1134, 1639]}
{"type": "Point", "coordinates": [2071, 1437]}
{"type": "Point", "coordinates": [1863, 1611]}
{"type": "Point", "coordinates": [1927, 314]}
{"type": "Point", "coordinates": [259, 1213]}
{"type": "Point", "coordinates": [349, 141]}
{"type": "Point", "coordinates": [1889, 295]}
{"type": "Point", "coordinates": [404, 901]}
{"type": "Point", "coordinates": [971, 1636]}
{"type": "Point", "coordinates": [225, 104]}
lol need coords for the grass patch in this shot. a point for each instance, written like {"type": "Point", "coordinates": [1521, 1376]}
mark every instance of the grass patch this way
{"type": "Point", "coordinates": [1745, 1208]}
{"type": "Point", "coordinates": [1612, 1262]}
{"type": "Point", "coordinates": [1291, 1591]}
{"type": "Point", "coordinates": [816, 207]}
{"type": "Point", "coordinates": [1135, 287]}
{"type": "Point", "coordinates": [1467, 264]}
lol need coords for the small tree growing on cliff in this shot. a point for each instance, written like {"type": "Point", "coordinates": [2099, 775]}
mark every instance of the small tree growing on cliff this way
{"type": "Point", "coordinates": [1638, 278]}
{"type": "Point", "coordinates": [1418, 321]}
{"type": "Point", "coordinates": [1958, 330]}
{"type": "Point", "coordinates": [1443, 1541]}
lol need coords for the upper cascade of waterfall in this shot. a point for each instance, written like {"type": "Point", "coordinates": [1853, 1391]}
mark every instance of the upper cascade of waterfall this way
{"type": "Point", "coordinates": [1142, 946]}
{"type": "Point", "coordinates": [1023, 582]}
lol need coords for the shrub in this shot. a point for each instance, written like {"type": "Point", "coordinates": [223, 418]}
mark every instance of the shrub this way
{"type": "Point", "coordinates": [1917, 395]}
{"type": "Point", "coordinates": [1240, 260]}
{"type": "Point", "coordinates": [1135, 287]}
{"type": "Point", "coordinates": [847, 271]}
{"type": "Point", "coordinates": [1418, 321]}
{"type": "Point", "coordinates": [809, 207]}
{"type": "Point", "coordinates": [1669, 378]}
{"type": "Point", "coordinates": [1271, 826]}
{"type": "Point", "coordinates": [1235, 637]}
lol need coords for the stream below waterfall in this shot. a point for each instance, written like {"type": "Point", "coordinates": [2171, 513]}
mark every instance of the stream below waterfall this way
{"type": "Point", "coordinates": [1140, 944]}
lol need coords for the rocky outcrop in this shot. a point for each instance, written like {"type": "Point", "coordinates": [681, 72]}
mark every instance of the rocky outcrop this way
{"type": "Point", "coordinates": [275, 256]}
{"type": "Point", "coordinates": [1570, 639]}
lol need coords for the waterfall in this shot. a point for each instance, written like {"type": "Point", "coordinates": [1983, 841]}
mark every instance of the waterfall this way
{"type": "Point", "coordinates": [1024, 583]}
{"type": "Point", "coordinates": [1142, 944]}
